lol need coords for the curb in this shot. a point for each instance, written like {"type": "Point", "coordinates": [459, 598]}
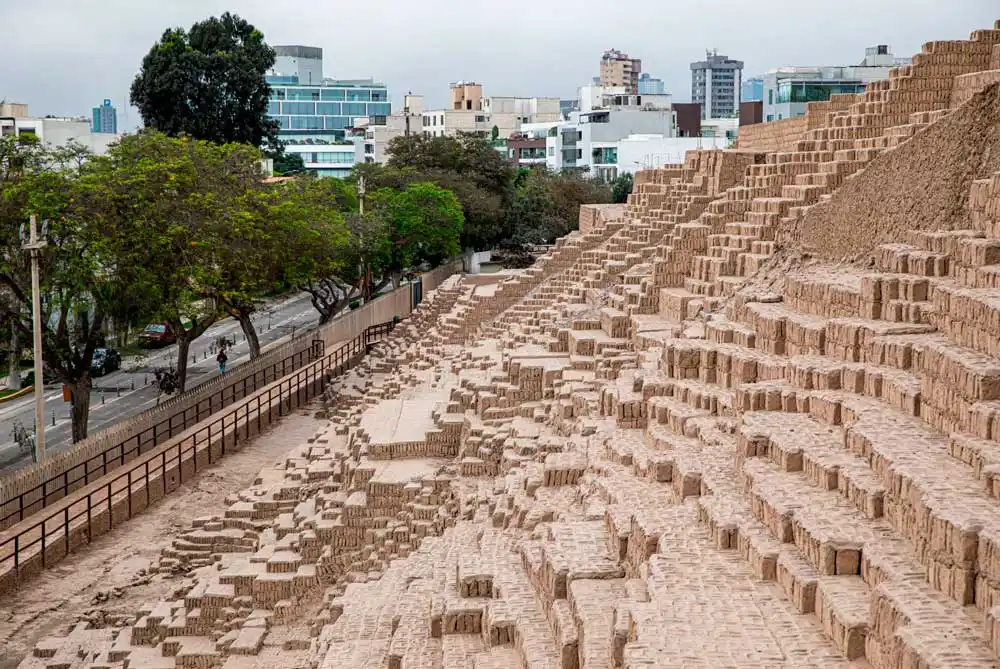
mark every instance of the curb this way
{"type": "Point", "coordinates": [20, 393]}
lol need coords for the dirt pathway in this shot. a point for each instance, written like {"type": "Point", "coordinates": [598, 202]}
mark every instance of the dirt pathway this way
{"type": "Point", "coordinates": [110, 575]}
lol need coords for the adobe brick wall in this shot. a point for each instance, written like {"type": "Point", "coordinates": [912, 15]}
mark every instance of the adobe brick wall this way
{"type": "Point", "coordinates": [594, 216]}
{"type": "Point", "coordinates": [75, 463]}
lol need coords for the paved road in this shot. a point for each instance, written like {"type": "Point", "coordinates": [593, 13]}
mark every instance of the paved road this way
{"type": "Point", "coordinates": [113, 398]}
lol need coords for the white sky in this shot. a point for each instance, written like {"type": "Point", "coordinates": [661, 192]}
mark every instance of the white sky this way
{"type": "Point", "coordinates": [65, 56]}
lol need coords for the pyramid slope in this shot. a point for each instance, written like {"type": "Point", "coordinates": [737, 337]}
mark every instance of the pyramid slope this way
{"type": "Point", "coordinates": [921, 185]}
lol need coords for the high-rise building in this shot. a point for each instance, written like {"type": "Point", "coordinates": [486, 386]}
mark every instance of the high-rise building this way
{"type": "Point", "coordinates": [316, 113]}
{"type": "Point", "coordinates": [752, 90]}
{"type": "Point", "coordinates": [715, 85]}
{"type": "Point", "coordinates": [618, 70]}
{"type": "Point", "coordinates": [650, 85]}
{"type": "Point", "coordinates": [787, 90]}
{"type": "Point", "coordinates": [105, 119]}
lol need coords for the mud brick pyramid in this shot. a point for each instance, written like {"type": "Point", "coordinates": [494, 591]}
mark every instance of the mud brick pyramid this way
{"type": "Point", "coordinates": [650, 449]}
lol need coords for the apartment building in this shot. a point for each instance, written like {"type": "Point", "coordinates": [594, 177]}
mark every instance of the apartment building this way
{"type": "Point", "coordinates": [618, 70]}
{"type": "Point", "coordinates": [716, 85]}
{"type": "Point", "coordinates": [494, 116]}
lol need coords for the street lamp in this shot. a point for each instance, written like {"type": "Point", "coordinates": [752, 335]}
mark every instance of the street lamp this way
{"type": "Point", "coordinates": [34, 245]}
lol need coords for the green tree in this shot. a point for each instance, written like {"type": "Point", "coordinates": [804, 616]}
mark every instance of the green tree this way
{"type": "Point", "coordinates": [479, 176]}
{"type": "Point", "coordinates": [209, 83]}
{"type": "Point", "coordinates": [78, 286]}
{"type": "Point", "coordinates": [621, 188]}
{"type": "Point", "coordinates": [288, 164]}
{"type": "Point", "coordinates": [424, 224]}
{"type": "Point", "coordinates": [161, 204]}
{"type": "Point", "coordinates": [286, 235]}
{"type": "Point", "coordinates": [547, 206]}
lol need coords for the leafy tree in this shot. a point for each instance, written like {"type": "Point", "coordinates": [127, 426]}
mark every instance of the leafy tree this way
{"type": "Point", "coordinates": [547, 206]}
{"type": "Point", "coordinates": [162, 203]}
{"type": "Point", "coordinates": [424, 224]}
{"type": "Point", "coordinates": [621, 188]}
{"type": "Point", "coordinates": [287, 235]}
{"type": "Point", "coordinates": [77, 287]}
{"type": "Point", "coordinates": [209, 83]}
{"type": "Point", "coordinates": [287, 164]}
{"type": "Point", "coordinates": [479, 176]}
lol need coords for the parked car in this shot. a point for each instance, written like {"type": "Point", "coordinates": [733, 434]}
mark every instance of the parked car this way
{"type": "Point", "coordinates": [157, 334]}
{"type": "Point", "coordinates": [105, 361]}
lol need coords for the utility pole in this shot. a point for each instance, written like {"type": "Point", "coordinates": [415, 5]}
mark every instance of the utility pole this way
{"type": "Point", "coordinates": [406, 115]}
{"type": "Point", "coordinates": [361, 238]}
{"type": "Point", "coordinates": [34, 245]}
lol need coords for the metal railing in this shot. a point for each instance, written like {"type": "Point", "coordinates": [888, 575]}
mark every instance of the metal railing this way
{"type": "Point", "coordinates": [298, 387]}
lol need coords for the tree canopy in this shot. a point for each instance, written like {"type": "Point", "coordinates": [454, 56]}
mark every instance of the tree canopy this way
{"type": "Point", "coordinates": [208, 82]}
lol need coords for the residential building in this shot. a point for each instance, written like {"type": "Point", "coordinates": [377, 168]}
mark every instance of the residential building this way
{"type": "Point", "coordinates": [752, 90]}
{"type": "Point", "coordinates": [398, 124]}
{"type": "Point", "coordinates": [53, 131]}
{"type": "Point", "coordinates": [500, 116]}
{"type": "Point", "coordinates": [787, 90]}
{"type": "Point", "coordinates": [650, 85]}
{"type": "Point", "coordinates": [316, 114]}
{"type": "Point", "coordinates": [568, 106]}
{"type": "Point", "coordinates": [617, 69]}
{"type": "Point", "coordinates": [589, 139]}
{"type": "Point", "coordinates": [715, 85]}
{"type": "Point", "coordinates": [527, 148]}
{"type": "Point", "coordinates": [105, 118]}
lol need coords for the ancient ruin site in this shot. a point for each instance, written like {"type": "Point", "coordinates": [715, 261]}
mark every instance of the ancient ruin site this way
{"type": "Point", "coordinates": [751, 419]}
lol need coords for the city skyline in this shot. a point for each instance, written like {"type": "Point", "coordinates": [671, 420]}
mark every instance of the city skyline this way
{"type": "Point", "coordinates": [88, 57]}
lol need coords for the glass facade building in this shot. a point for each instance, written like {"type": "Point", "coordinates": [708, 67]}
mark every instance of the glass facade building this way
{"type": "Point", "coordinates": [328, 108]}
{"type": "Point", "coordinates": [315, 114]}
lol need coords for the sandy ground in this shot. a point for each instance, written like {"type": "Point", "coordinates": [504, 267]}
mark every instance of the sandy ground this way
{"type": "Point", "coordinates": [110, 575]}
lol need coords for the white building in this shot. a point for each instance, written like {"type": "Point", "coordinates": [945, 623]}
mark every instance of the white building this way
{"type": "Point", "coordinates": [643, 152]}
{"type": "Point", "coordinates": [378, 135]}
{"type": "Point", "coordinates": [471, 112]}
{"type": "Point", "coordinates": [788, 89]}
{"type": "Point", "coordinates": [590, 140]}
{"type": "Point", "coordinates": [54, 131]}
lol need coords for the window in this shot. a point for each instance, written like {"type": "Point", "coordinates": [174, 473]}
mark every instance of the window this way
{"type": "Point", "coordinates": [307, 108]}
{"type": "Point", "coordinates": [770, 117]}
{"type": "Point", "coordinates": [379, 109]}
{"type": "Point", "coordinates": [379, 96]}
{"type": "Point", "coordinates": [480, 118]}
{"type": "Point", "coordinates": [337, 122]}
{"type": "Point", "coordinates": [354, 109]}
{"type": "Point", "coordinates": [328, 108]}
{"type": "Point", "coordinates": [468, 104]}
{"type": "Point", "coordinates": [303, 94]}
{"type": "Point", "coordinates": [307, 122]}
{"type": "Point", "coordinates": [378, 120]}
{"type": "Point", "coordinates": [551, 151]}
{"type": "Point", "coordinates": [279, 93]}
{"type": "Point", "coordinates": [369, 148]}
{"type": "Point", "coordinates": [435, 120]}
{"type": "Point", "coordinates": [273, 108]}
{"type": "Point", "coordinates": [359, 95]}
{"type": "Point", "coordinates": [335, 94]}
{"type": "Point", "coordinates": [770, 96]}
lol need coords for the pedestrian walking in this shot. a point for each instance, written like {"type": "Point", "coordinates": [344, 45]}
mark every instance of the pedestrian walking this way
{"type": "Point", "coordinates": [221, 359]}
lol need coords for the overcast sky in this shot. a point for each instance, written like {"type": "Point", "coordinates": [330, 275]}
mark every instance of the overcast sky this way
{"type": "Point", "coordinates": [65, 56]}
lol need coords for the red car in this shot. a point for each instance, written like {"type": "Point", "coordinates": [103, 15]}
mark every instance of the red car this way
{"type": "Point", "coordinates": [157, 334]}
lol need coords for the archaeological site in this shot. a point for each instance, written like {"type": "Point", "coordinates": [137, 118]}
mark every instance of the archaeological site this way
{"type": "Point", "coordinates": [751, 419]}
